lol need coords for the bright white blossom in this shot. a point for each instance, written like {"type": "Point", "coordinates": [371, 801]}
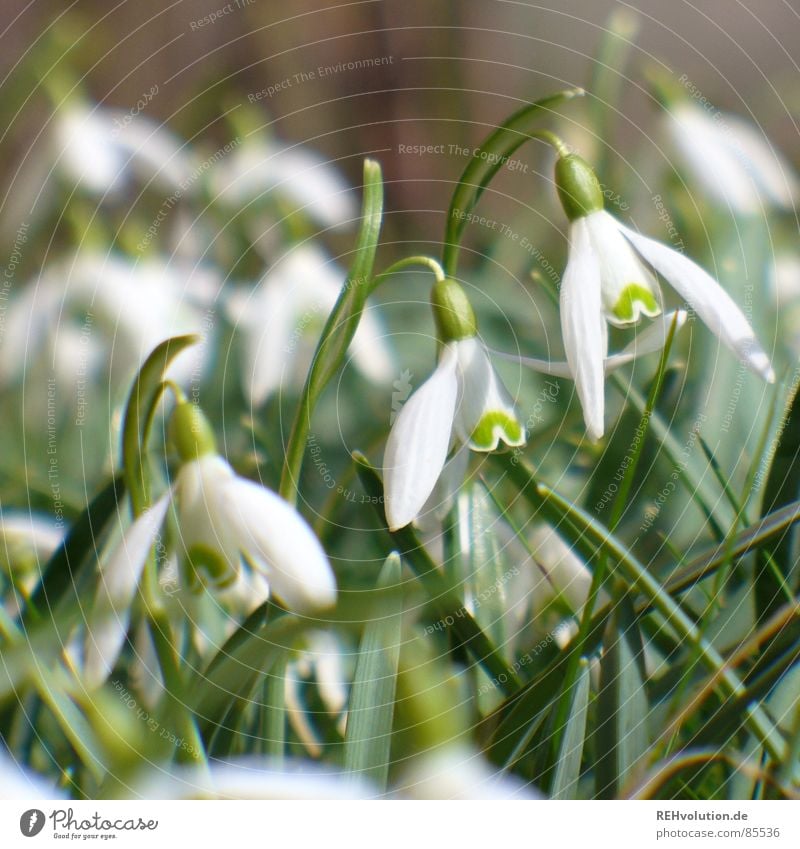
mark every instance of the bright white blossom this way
{"type": "Point", "coordinates": [222, 520]}
{"type": "Point", "coordinates": [18, 782]}
{"type": "Point", "coordinates": [608, 280]}
{"type": "Point", "coordinates": [456, 771]}
{"type": "Point", "coordinates": [463, 403]}
{"type": "Point", "coordinates": [98, 149]}
{"type": "Point", "coordinates": [98, 311]}
{"type": "Point", "coordinates": [295, 175]}
{"type": "Point", "coordinates": [281, 320]}
{"type": "Point", "coordinates": [732, 159]}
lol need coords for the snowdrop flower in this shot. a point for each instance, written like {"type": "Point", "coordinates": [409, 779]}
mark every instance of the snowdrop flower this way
{"type": "Point", "coordinates": [251, 778]}
{"type": "Point", "coordinates": [295, 174]}
{"type": "Point", "coordinates": [82, 308]}
{"type": "Point", "coordinates": [463, 403]}
{"type": "Point", "coordinates": [731, 159]}
{"type": "Point", "coordinates": [222, 520]}
{"type": "Point", "coordinates": [97, 148]}
{"type": "Point", "coordinates": [17, 782]}
{"type": "Point", "coordinates": [456, 771]}
{"type": "Point", "coordinates": [280, 322]}
{"type": "Point", "coordinates": [608, 279]}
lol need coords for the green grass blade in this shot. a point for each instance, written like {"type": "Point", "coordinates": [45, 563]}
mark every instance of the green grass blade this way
{"type": "Point", "coordinates": [621, 731]}
{"type": "Point", "coordinates": [451, 610]}
{"type": "Point", "coordinates": [568, 765]}
{"type": "Point", "coordinates": [339, 329]}
{"type": "Point", "coordinates": [368, 737]}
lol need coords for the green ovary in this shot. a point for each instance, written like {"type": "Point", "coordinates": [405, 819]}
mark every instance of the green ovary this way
{"type": "Point", "coordinates": [207, 567]}
{"type": "Point", "coordinates": [635, 295]}
{"type": "Point", "coordinates": [493, 425]}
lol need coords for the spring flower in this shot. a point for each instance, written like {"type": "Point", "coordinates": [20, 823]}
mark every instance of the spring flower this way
{"type": "Point", "coordinates": [222, 520]}
{"type": "Point", "coordinates": [295, 175]}
{"type": "Point", "coordinates": [456, 771]}
{"type": "Point", "coordinates": [731, 159]}
{"type": "Point", "coordinates": [463, 403]}
{"type": "Point", "coordinates": [98, 149]}
{"type": "Point", "coordinates": [280, 323]}
{"type": "Point", "coordinates": [608, 280]}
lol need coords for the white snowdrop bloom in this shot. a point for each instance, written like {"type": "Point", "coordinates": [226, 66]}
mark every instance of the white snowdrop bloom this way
{"type": "Point", "coordinates": [101, 310]}
{"type": "Point", "coordinates": [98, 148]}
{"type": "Point", "coordinates": [251, 778]}
{"type": "Point", "coordinates": [456, 771]}
{"type": "Point", "coordinates": [608, 279]}
{"type": "Point", "coordinates": [281, 320]}
{"type": "Point", "coordinates": [19, 783]}
{"type": "Point", "coordinates": [462, 403]}
{"type": "Point", "coordinates": [295, 175]}
{"type": "Point", "coordinates": [222, 520]}
{"type": "Point", "coordinates": [731, 159]}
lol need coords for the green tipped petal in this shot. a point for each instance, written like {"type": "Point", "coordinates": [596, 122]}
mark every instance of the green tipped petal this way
{"type": "Point", "coordinates": [635, 300]}
{"type": "Point", "coordinates": [207, 567]}
{"type": "Point", "coordinates": [494, 427]}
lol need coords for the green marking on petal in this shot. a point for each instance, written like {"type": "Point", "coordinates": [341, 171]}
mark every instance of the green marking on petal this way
{"type": "Point", "coordinates": [207, 567]}
{"type": "Point", "coordinates": [635, 299]}
{"type": "Point", "coordinates": [495, 426]}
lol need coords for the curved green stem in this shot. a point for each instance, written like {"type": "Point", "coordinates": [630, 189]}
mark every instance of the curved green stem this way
{"type": "Point", "coordinates": [408, 262]}
{"type": "Point", "coordinates": [488, 159]}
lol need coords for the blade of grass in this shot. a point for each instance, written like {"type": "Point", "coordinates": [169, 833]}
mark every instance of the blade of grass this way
{"type": "Point", "coordinates": [368, 737]}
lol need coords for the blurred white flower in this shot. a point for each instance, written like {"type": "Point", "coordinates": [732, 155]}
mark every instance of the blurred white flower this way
{"type": "Point", "coordinates": [281, 320]}
{"type": "Point", "coordinates": [99, 310]}
{"type": "Point", "coordinates": [732, 159]}
{"type": "Point", "coordinates": [251, 778]}
{"type": "Point", "coordinates": [98, 148]}
{"type": "Point", "coordinates": [19, 783]}
{"type": "Point", "coordinates": [607, 280]}
{"type": "Point", "coordinates": [222, 520]}
{"type": "Point", "coordinates": [296, 176]}
{"type": "Point", "coordinates": [456, 771]}
{"type": "Point", "coordinates": [463, 403]}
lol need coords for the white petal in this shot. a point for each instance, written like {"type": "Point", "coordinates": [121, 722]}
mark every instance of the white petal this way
{"type": "Point", "coordinates": [441, 499]}
{"type": "Point", "coordinates": [272, 534]}
{"type": "Point", "coordinates": [485, 415]}
{"type": "Point", "coordinates": [708, 299]}
{"type": "Point", "coordinates": [628, 289]}
{"type": "Point", "coordinates": [647, 341]}
{"type": "Point", "coordinates": [583, 326]}
{"type": "Point", "coordinates": [119, 578]}
{"type": "Point", "coordinates": [455, 771]}
{"type": "Point", "coordinates": [205, 533]}
{"type": "Point", "coordinates": [18, 782]}
{"type": "Point", "coordinates": [419, 441]}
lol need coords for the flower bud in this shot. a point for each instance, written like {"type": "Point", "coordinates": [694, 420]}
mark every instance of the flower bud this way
{"type": "Point", "coordinates": [452, 311]}
{"type": "Point", "coordinates": [191, 432]}
{"type": "Point", "coordinates": [578, 187]}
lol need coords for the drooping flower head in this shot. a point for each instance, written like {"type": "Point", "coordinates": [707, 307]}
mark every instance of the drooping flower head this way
{"type": "Point", "coordinates": [225, 524]}
{"type": "Point", "coordinates": [610, 279]}
{"type": "Point", "coordinates": [463, 403]}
